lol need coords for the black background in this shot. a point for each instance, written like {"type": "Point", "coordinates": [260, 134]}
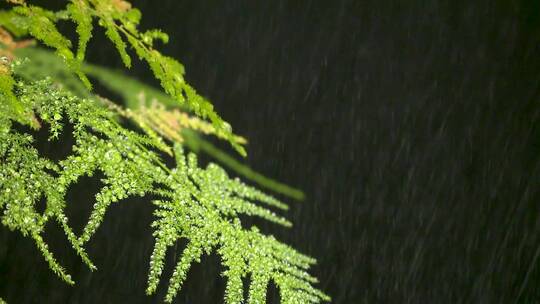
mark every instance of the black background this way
{"type": "Point", "coordinates": [412, 126]}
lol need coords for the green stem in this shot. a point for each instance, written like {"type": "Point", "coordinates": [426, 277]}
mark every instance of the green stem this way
{"type": "Point", "coordinates": [197, 144]}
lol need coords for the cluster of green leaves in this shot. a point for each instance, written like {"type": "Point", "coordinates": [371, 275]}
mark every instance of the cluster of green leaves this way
{"type": "Point", "coordinates": [45, 64]}
{"type": "Point", "coordinates": [200, 206]}
{"type": "Point", "coordinates": [203, 207]}
{"type": "Point", "coordinates": [120, 22]}
{"type": "Point", "coordinates": [26, 177]}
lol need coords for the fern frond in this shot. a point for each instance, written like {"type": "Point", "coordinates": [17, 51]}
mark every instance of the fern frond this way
{"type": "Point", "coordinates": [113, 34]}
{"type": "Point", "coordinates": [120, 21]}
{"type": "Point", "coordinates": [25, 180]}
{"type": "Point", "coordinates": [137, 97]}
{"type": "Point", "coordinates": [40, 23]}
{"type": "Point", "coordinates": [26, 177]}
{"type": "Point", "coordinates": [193, 212]}
{"type": "Point", "coordinates": [199, 205]}
{"type": "Point", "coordinates": [81, 14]}
{"type": "Point", "coordinates": [119, 17]}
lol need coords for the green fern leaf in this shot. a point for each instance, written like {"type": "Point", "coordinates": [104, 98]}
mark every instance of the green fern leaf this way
{"type": "Point", "coordinates": [203, 208]}
{"type": "Point", "coordinates": [113, 35]}
{"type": "Point", "coordinates": [81, 14]}
{"type": "Point", "coordinates": [44, 63]}
{"type": "Point", "coordinates": [199, 205]}
{"type": "Point", "coordinates": [40, 23]}
{"type": "Point", "coordinates": [120, 22]}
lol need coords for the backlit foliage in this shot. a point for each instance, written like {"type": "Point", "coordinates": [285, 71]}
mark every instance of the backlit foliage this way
{"type": "Point", "coordinates": [201, 206]}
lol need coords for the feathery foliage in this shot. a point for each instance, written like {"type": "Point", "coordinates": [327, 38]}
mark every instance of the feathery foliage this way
{"type": "Point", "coordinates": [139, 97]}
{"type": "Point", "coordinates": [199, 205]}
{"type": "Point", "coordinates": [120, 22]}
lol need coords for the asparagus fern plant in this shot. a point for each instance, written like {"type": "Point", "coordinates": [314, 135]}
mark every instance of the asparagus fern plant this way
{"type": "Point", "coordinates": [52, 86]}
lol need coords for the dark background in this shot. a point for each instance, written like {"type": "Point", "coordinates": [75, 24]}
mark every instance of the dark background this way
{"type": "Point", "coordinates": [412, 126]}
